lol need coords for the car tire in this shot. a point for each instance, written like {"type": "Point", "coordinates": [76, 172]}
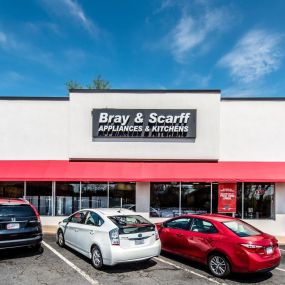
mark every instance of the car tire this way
{"type": "Point", "coordinates": [219, 265]}
{"type": "Point", "coordinates": [37, 247]}
{"type": "Point", "coordinates": [60, 238]}
{"type": "Point", "coordinates": [96, 257]}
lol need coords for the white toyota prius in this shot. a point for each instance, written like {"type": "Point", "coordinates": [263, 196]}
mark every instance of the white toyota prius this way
{"type": "Point", "coordinates": [109, 236]}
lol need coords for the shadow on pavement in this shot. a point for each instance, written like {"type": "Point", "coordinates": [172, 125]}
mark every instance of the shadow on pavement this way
{"type": "Point", "coordinates": [13, 253]}
{"type": "Point", "coordinates": [240, 277]}
{"type": "Point", "coordinates": [119, 268]}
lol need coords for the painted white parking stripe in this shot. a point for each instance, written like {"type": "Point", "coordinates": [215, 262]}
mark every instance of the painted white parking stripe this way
{"type": "Point", "coordinates": [282, 249]}
{"type": "Point", "coordinates": [189, 271]}
{"type": "Point", "coordinates": [73, 266]}
{"type": "Point", "coordinates": [280, 269]}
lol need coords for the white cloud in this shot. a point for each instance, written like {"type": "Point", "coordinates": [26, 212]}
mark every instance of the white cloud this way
{"type": "Point", "coordinates": [254, 56]}
{"type": "Point", "coordinates": [11, 78]}
{"type": "Point", "coordinates": [190, 32]}
{"type": "Point", "coordinates": [70, 8]}
{"type": "Point", "coordinates": [3, 38]}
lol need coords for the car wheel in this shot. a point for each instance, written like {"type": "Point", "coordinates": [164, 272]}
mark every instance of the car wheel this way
{"type": "Point", "coordinates": [60, 238]}
{"type": "Point", "coordinates": [219, 265]}
{"type": "Point", "coordinates": [96, 257]}
{"type": "Point", "coordinates": [37, 247]}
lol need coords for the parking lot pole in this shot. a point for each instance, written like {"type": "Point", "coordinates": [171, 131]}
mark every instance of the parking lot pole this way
{"type": "Point", "coordinates": [180, 193]}
{"type": "Point", "coordinates": [25, 189]}
{"type": "Point", "coordinates": [53, 198]}
{"type": "Point", "coordinates": [242, 200]}
{"type": "Point", "coordinates": [80, 188]}
{"type": "Point", "coordinates": [211, 199]}
{"type": "Point", "coordinates": [108, 197]}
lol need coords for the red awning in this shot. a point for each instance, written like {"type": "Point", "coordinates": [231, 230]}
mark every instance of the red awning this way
{"type": "Point", "coordinates": [58, 170]}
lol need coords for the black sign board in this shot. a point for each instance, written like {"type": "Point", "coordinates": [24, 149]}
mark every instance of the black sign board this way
{"type": "Point", "coordinates": [144, 123]}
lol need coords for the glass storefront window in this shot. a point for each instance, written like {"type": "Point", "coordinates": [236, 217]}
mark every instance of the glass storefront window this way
{"type": "Point", "coordinates": [164, 199]}
{"type": "Point", "coordinates": [40, 195]}
{"type": "Point", "coordinates": [94, 195]}
{"type": "Point", "coordinates": [12, 189]}
{"type": "Point", "coordinates": [259, 201]}
{"type": "Point", "coordinates": [124, 193]}
{"type": "Point", "coordinates": [195, 198]}
{"type": "Point", "coordinates": [67, 198]}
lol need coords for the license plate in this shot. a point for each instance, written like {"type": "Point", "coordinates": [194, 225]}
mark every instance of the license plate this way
{"type": "Point", "coordinates": [269, 250]}
{"type": "Point", "coordinates": [139, 241]}
{"type": "Point", "coordinates": [13, 226]}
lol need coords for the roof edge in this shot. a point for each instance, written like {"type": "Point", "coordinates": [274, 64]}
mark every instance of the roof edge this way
{"type": "Point", "coordinates": [144, 91]}
{"type": "Point", "coordinates": [252, 98]}
{"type": "Point", "coordinates": [52, 98]}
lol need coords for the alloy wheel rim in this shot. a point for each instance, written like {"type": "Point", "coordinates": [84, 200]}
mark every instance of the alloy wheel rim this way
{"type": "Point", "coordinates": [60, 238]}
{"type": "Point", "coordinates": [218, 265]}
{"type": "Point", "coordinates": [96, 258]}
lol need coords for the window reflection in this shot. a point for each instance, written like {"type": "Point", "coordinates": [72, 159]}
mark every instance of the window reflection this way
{"type": "Point", "coordinates": [94, 195]}
{"type": "Point", "coordinates": [12, 189]}
{"type": "Point", "coordinates": [124, 193]}
{"type": "Point", "coordinates": [195, 198]}
{"type": "Point", "coordinates": [164, 199]}
{"type": "Point", "coordinates": [67, 198]}
{"type": "Point", "coordinates": [258, 200]}
{"type": "Point", "coordinates": [40, 195]}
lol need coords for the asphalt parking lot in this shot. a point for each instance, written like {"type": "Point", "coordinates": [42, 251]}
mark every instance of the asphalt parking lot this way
{"type": "Point", "coordinates": [55, 265]}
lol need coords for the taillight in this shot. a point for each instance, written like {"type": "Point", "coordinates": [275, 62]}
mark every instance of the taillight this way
{"type": "Point", "coordinates": [253, 248]}
{"type": "Point", "coordinates": [114, 237]}
{"type": "Point", "coordinates": [156, 234]}
{"type": "Point", "coordinates": [36, 213]}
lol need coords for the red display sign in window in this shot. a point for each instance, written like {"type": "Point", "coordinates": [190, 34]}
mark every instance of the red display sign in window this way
{"type": "Point", "coordinates": [227, 198]}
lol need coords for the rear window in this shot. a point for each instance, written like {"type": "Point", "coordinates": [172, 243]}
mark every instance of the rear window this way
{"type": "Point", "coordinates": [242, 229]}
{"type": "Point", "coordinates": [132, 224]}
{"type": "Point", "coordinates": [16, 211]}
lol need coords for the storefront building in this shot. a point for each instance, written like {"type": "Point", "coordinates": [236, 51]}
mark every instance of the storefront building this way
{"type": "Point", "coordinates": [159, 152]}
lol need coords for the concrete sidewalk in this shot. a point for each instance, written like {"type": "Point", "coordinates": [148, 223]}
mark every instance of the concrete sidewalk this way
{"type": "Point", "coordinates": [52, 230]}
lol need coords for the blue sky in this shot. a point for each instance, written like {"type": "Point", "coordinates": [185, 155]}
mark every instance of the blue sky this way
{"type": "Point", "coordinates": [235, 46]}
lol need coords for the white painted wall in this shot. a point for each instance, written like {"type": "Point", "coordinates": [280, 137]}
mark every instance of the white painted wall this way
{"type": "Point", "coordinates": [280, 198]}
{"type": "Point", "coordinates": [142, 197]}
{"type": "Point", "coordinates": [252, 131]}
{"type": "Point", "coordinates": [206, 146]}
{"type": "Point", "coordinates": [33, 129]}
{"type": "Point", "coordinates": [226, 130]}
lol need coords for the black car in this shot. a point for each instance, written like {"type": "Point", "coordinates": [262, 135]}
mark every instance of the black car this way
{"type": "Point", "coordinates": [20, 224]}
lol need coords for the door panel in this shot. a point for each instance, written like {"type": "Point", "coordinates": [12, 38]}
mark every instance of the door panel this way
{"type": "Point", "coordinates": [174, 235]}
{"type": "Point", "coordinates": [88, 231]}
{"type": "Point", "coordinates": [73, 227]}
{"type": "Point", "coordinates": [203, 233]}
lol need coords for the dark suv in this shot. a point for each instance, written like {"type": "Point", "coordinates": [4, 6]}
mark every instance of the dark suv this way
{"type": "Point", "coordinates": [20, 224]}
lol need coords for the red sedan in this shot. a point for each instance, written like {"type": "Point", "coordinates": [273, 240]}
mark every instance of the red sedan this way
{"type": "Point", "coordinates": [225, 244]}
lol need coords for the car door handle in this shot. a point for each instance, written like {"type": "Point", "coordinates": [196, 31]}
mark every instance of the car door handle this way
{"type": "Point", "coordinates": [92, 232]}
{"type": "Point", "coordinates": [76, 230]}
{"type": "Point", "coordinates": [179, 235]}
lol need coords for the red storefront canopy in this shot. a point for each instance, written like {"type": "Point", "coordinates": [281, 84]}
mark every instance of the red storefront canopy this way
{"type": "Point", "coordinates": [59, 170]}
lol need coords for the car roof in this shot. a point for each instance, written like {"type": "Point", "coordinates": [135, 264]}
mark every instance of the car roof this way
{"type": "Point", "coordinates": [13, 201]}
{"type": "Point", "coordinates": [112, 211]}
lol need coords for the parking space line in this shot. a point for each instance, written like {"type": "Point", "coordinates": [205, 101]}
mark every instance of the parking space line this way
{"type": "Point", "coordinates": [280, 269]}
{"type": "Point", "coordinates": [73, 266]}
{"type": "Point", "coordinates": [281, 249]}
{"type": "Point", "coordinates": [189, 271]}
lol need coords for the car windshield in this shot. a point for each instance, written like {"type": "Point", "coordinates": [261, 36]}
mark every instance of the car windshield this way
{"type": "Point", "coordinates": [131, 224]}
{"type": "Point", "coordinates": [242, 229]}
{"type": "Point", "coordinates": [16, 211]}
